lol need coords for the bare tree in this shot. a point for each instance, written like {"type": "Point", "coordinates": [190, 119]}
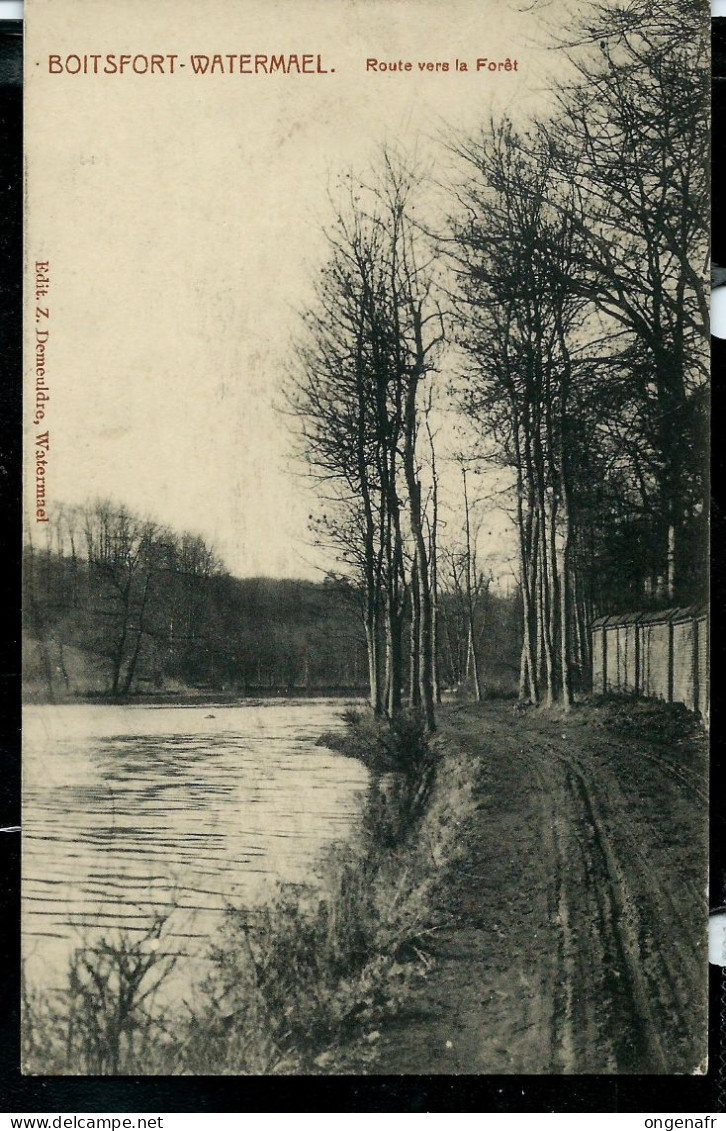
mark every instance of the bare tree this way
{"type": "Point", "coordinates": [513, 249]}
{"type": "Point", "coordinates": [372, 336]}
{"type": "Point", "coordinates": [121, 552]}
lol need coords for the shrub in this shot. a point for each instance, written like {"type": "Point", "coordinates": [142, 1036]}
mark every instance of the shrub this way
{"type": "Point", "coordinates": [104, 1021]}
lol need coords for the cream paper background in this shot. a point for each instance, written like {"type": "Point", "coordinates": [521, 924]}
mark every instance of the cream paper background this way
{"type": "Point", "coordinates": [182, 217]}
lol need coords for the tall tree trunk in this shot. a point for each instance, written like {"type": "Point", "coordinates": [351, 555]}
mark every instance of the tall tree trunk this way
{"type": "Point", "coordinates": [435, 661]}
{"type": "Point", "coordinates": [544, 566]}
{"type": "Point", "coordinates": [472, 656]}
{"type": "Point", "coordinates": [536, 659]}
{"type": "Point", "coordinates": [565, 614]}
{"type": "Point", "coordinates": [395, 663]}
{"type": "Point", "coordinates": [374, 675]}
{"type": "Point", "coordinates": [527, 565]}
{"type": "Point", "coordinates": [565, 592]}
{"type": "Point", "coordinates": [525, 682]}
{"type": "Point", "coordinates": [117, 655]}
{"type": "Point", "coordinates": [414, 497]}
{"type": "Point", "coordinates": [671, 563]}
{"type": "Point", "coordinates": [472, 664]}
{"type": "Point", "coordinates": [415, 640]}
{"type": "Point", "coordinates": [564, 588]}
{"type": "Point", "coordinates": [554, 591]}
{"type": "Point", "coordinates": [371, 573]}
{"type": "Point", "coordinates": [433, 560]}
{"type": "Point", "coordinates": [131, 669]}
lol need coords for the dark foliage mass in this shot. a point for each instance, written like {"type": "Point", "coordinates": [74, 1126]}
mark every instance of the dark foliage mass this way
{"type": "Point", "coordinates": [117, 606]}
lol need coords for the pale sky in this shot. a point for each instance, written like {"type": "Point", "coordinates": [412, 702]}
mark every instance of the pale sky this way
{"type": "Point", "coordinates": [181, 216]}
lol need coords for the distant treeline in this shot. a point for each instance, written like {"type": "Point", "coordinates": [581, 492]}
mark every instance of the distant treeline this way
{"type": "Point", "coordinates": [116, 605]}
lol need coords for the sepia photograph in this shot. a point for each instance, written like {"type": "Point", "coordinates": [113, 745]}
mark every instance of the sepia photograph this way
{"type": "Point", "coordinates": [365, 552]}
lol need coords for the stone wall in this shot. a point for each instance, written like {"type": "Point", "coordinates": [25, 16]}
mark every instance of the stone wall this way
{"type": "Point", "coordinates": [661, 655]}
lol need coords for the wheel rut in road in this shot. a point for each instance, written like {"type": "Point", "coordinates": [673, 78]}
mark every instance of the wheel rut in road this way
{"type": "Point", "coordinates": [575, 944]}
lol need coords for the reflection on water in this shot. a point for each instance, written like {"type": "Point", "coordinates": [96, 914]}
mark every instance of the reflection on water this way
{"type": "Point", "coordinates": [129, 810]}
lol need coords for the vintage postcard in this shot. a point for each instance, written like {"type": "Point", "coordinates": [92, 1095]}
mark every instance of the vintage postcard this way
{"type": "Point", "coordinates": [366, 681]}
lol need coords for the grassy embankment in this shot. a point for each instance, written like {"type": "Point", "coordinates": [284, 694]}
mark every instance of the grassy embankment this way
{"type": "Point", "coordinates": [303, 985]}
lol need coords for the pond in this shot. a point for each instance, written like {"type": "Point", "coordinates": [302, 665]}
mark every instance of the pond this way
{"type": "Point", "coordinates": [133, 810]}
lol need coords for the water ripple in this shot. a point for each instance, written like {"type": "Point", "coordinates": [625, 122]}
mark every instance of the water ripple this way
{"type": "Point", "coordinates": [132, 810]}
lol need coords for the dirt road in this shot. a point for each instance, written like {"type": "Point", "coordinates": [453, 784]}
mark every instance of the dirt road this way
{"type": "Point", "coordinates": [576, 940]}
